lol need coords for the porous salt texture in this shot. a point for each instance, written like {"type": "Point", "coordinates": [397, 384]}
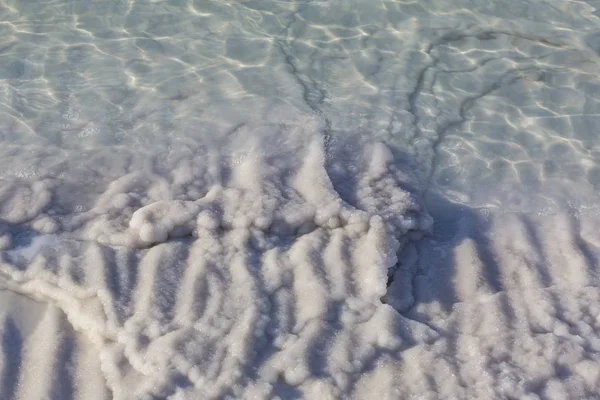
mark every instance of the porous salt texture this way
{"type": "Point", "coordinates": [268, 280]}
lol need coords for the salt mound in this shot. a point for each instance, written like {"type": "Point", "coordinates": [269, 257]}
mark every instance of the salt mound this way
{"type": "Point", "coordinates": [246, 277]}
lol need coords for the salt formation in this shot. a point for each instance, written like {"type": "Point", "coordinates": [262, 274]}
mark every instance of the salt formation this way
{"type": "Point", "coordinates": [269, 280]}
{"type": "Point", "coordinates": [170, 227]}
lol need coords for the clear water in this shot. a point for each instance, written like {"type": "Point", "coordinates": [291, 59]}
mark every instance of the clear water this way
{"type": "Point", "coordinates": [492, 94]}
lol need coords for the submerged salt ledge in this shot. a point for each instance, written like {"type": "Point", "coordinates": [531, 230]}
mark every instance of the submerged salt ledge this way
{"type": "Point", "coordinates": [268, 279]}
{"type": "Point", "coordinates": [265, 205]}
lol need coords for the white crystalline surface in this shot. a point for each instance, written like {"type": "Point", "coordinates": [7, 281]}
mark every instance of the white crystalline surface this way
{"type": "Point", "coordinates": [299, 199]}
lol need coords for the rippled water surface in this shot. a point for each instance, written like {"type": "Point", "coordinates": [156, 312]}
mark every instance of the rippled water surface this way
{"type": "Point", "coordinates": [299, 199]}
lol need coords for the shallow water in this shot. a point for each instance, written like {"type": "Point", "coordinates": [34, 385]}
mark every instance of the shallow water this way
{"type": "Point", "coordinates": [234, 199]}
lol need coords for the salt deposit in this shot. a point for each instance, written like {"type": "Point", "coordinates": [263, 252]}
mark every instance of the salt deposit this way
{"type": "Point", "coordinates": [321, 200]}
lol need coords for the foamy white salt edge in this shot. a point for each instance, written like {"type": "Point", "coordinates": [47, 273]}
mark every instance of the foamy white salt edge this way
{"type": "Point", "coordinates": [269, 279]}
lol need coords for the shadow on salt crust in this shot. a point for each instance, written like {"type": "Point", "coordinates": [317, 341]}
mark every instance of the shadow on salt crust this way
{"type": "Point", "coordinates": [272, 286]}
{"type": "Point", "coordinates": [270, 283]}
